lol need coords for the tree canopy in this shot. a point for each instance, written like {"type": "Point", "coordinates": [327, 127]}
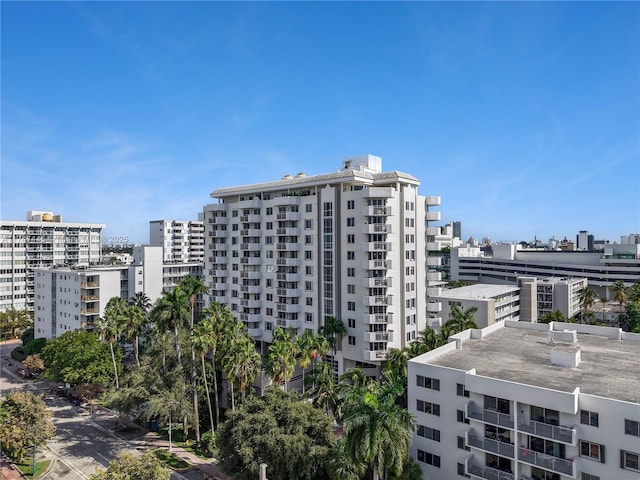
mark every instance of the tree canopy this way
{"type": "Point", "coordinates": [24, 422]}
{"type": "Point", "coordinates": [133, 467]}
{"type": "Point", "coordinates": [79, 357]}
{"type": "Point", "coordinates": [279, 429]}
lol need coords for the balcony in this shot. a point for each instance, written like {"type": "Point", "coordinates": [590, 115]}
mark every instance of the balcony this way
{"type": "Point", "coordinates": [223, 299]}
{"type": "Point", "coordinates": [378, 300]}
{"type": "Point", "coordinates": [288, 277]}
{"type": "Point", "coordinates": [251, 289]}
{"type": "Point", "coordinates": [434, 291]}
{"type": "Point", "coordinates": [496, 446]}
{"type": "Point", "coordinates": [489, 416]}
{"type": "Point", "coordinates": [545, 430]}
{"type": "Point", "coordinates": [89, 285]}
{"type": "Point", "coordinates": [377, 318]}
{"type": "Point", "coordinates": [434, 307]}
{"type": "Point", "coordinates": [432, 201]}
{"type": "Point", "coordinates": [220, 233]}
{"type": "Point", "coordinates": [291, 232]}
{"type": "Point", "coordinates": [433, 216]}
{"type": "Point", "coordinates": [288, 247]}
{"type": "Point", "coordinates": [89, 311]}
{"type": "Point", "coordinates": [434, 276]}
{"type": "Point", "coordinates": [288, 292]}
{"type": "Point", "coordinates": [251, 275]}
{"type": "Point", "coordinates": [254, 332]}
{"type": "Point", "coordinates": [250, 218]}
{"type": "Point", "coordinates": [481, 471]}
{"type": "Point", "coordinates": [251, 247]}
{"type": "Point", "coordinates": [288, 323]}
{"type": "Point", "coordinates": [288, 262]}
{"type": "Point", "coordinates": [293, 216]}
{"type": "Point", "coordinates": [288, 307]}
{"type": "Point", "coordinates": [378, 336]}
{"type": "Point", "coordinates": [288, 200]}
{"type": "Point", "coordinates": [220, 286]}
{"type": "Point", "coordinates": [434, 246]}
{"type": "Point", "coordinates": [220, 273]}
{"type": "Point", "coordinates": [376, 282]}
{"type": "Point", "coordinates": [376, 264]}
{"type": "Point", "coordinates": [379, 192]}
{"type": "Point", "coordinates": [89, 298]}
{"type": "Point", "coordinates": [376, 228]}
{"type": "Point", "coordinates": [374, 355]}
{"type": "Point", "coordinates": [220, 260]}
{"type": "Point", "coordinates": [372, 210]}
{"type": "Point", "coordinates": [251, 260]}
{"type": "Point", "coordinates": [219, 220]}
{"type": "Point", "coordinates": [548, 462]}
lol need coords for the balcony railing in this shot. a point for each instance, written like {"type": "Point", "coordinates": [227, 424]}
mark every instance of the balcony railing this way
{"type": "Point", "coordinates": [489, 416]}
{"type": "Point", "coordinates": [548, 462]}
{"type": "Point", "coordinates": [488, 472]}
{"type": "Point", "coordinates": [553, 432]}
{"type": "Point", "coordinates": [490, 445]}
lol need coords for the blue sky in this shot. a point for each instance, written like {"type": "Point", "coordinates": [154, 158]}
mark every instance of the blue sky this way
{"type": "Point", "coordinates": [523, 117]}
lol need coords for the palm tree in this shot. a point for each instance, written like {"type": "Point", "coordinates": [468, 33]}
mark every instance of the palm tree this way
{"type": "Point", "coordinates": [619, 292]}
{"type": "Point", "coordinates": [171, 312]}
{"type": "Point", "coordinates": [111, 326]}
{"type": "Point", "coordinates": [603, 301]}
{"type": "Point", "coordinates": [377, 432]}
{"type": "Point", "coordinates": [233, 333]}
{"type": "Point", "coordinates": [340, 466]}
{"type": "Point", "coordinates": [634, 293]}
{"type": "Point", "coordinates": [586, 297]}
{"type": "Point", "coordinates": [203, 340]}
{"type": "Point", "coordinates": [305, 348]}
{"type": "Point", "coordinates": [325, 392]}
{"type": "Point", "coordinates": [281, 357]}
{"type": "Point", "coordinates": [134, 323]}
{"type": "Point", "coordinates": [462, 319]}
{"type": "Point", "coordinates": [333, 330]}
{"type": "Point", "coordinates": [248, 362]}
{"type": "Point", "coordinates": [193, 287]}
{"type": "Point", "coordinates": [141, 300]}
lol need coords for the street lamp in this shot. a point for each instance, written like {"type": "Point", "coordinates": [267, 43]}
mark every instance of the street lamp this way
{"type": "Point", "coordinates": [33, 459]}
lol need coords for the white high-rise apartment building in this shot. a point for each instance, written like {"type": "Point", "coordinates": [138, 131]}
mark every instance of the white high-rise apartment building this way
{"type": "Point", "coordinates": [349, 244]}
{"type": "Point", "coordinates": [527, 401]}
{"type": "Point", "coordinates": [181, 241]}
{"type": "Point", "coordinates": [43, 240]}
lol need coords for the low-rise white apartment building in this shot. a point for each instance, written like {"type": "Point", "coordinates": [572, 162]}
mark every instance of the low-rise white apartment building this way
{"type": "Point", "coordinates": [70, 298]}
{"type": "Point", "coordinates": [539, 296]}
{"type": "Point", "coordinates": [181, 240]}
{"type": "Point", "coordinates": [509, 261]}
{"type": "Point", "coordinates": [42, 240]}
{"type": "Point", "coordinates": [348, 244]}
{"type": "Point", "coordinates": [526, 401]}
{"type": "Point", "coordinates": [495, 303]}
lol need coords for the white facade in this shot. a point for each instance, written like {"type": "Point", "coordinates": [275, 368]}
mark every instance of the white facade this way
{"type": "Point", "coordinates": [181, 240]}
{"type": "Point", "coordinates": [551, 294]}
{"type": "Point", "coordinates": [495, 303]}
{"type": "Point", "coordinates": [509, 261]}
{"type": "Point", "coordinates": [43, 240]}
{"type": "Point", "coordinates": [522, 401]}
{"type": "Point", "coordinates": [632, 239]}
{"type": "Point", "coordinates": [348, 244]}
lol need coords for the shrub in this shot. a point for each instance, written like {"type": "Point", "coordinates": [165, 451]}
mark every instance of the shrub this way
{"type": "Point", "coordinates": [35, 346]}
{"type": "Point", "coordinates": [27, 336]}
{"type": "Point", "coordinates": [18, 354]}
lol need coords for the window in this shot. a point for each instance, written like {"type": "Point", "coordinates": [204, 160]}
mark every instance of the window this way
{"type": "Point", "coordinates": [631, 427]}
{"type": "Point", "coordinates": [428, 407]}
{"type": "Point", "coordinates": [461, 444]}
{"type": "Point", "coordinates": [269, 282]}
{"type": "Point", "coordinates": [269, 211]}
{"type": "Point", "coordinates": [307, 224]}
{"type": "Point", "coordinates": [351, 239]}
{"type": "Point", "coordinates": [351, 322]}
{"type": "Point", "coordinates": [308, 255]}
{"type": "Point", "coordinates": [588, 418]}
{"type": "Point", "coordinates": [351, 204]}
{"type": "Point", "coordinates": [460, 417]}
{"type": "Point", "coordinates": [593, 451]}
{"type": "Point", "coordinates": [308, 208]}
{"type": "Point", "coordinates": [351, 272]}
{"type": "Point", "coordinates": [351, 289]}
{"type": "Point", "coordinates": [269, 225]}
{"type": "Point", "coordinates": [427, 382]}
{"type": "Point", "coordinates": [461, 471]}
{"type": "Point", "coordinates": [430, 433]}
{"type": "Point", "coordinates": [351, 306]}
{"type": "Point", "coordinates": [430, 458]}
{"type": "Point", "coordinates": [269, 297]}
{"type": "Point", "coordinates": [351, 255]}
{"type": "Point", "coordinates": [352, 340]}
{"type": "Point", "coordinates": [308, 317]}
{"type": "Point", "coordinates": [308, 270]}
{"type": "Point", "coordinates": [309, 301]}
{"type": "Point", "coordinates": [629, 461]}
{"type": "Point", "coordinates": [588, 476]}
{"type": "Point", "coordinates": [460, 390]}
{"type": "Point", "coordinates": [308, 286]}
{"type": "Point", "coordinates": [308, 239]}
{"type": "Point", "coordinates": [351, 221]}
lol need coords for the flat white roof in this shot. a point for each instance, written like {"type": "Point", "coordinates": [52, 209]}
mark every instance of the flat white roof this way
{"type": "Point", "coordinates": [479, 291]}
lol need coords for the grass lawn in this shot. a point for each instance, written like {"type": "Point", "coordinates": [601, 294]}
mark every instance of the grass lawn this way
{"type": "Point", "coordinates": [170, 460]}
{"type": "Point", "coordinates": [40, 468]}
{"type": "Point", "coordinates": [177, 439]}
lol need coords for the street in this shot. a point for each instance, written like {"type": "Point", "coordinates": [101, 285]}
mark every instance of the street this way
{"type": "Point", "coordinates": [86, 440]}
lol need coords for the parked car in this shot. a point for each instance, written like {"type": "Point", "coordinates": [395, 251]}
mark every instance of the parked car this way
{"type": "Point", "coordinates": [25, 373]}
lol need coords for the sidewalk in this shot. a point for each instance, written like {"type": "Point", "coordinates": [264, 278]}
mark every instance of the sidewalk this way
{"type": "Point", "coordinates": [8, 470]}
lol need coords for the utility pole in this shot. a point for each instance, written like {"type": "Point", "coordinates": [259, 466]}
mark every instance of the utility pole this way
{"type": "Point", "coordinates": [263, 471]}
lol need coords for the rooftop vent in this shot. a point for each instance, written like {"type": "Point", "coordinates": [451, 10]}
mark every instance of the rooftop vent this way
{"type": "Point", "coordinates": [287, 177]}
{"type": "Point", "coordinates": [564, 336]}
{"type": "Point", "coordinates": [301, 175]}
{"type": "Point", "coordinates": [565, 356]}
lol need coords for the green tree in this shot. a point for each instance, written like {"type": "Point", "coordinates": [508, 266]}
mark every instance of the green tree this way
{"type": "Point", "coordinates": [340, 466]}
{"type": "Point", "coordinates": [247, 365]}
{"type": "Point", "coordinates": [462, 319]}
{"type": "Point", "coordinates": [14, 322]}
{"type": "Point", "coordinates": [141, 300]}
{"type": "Point", "coordinates": [234, 331]}
{"type": "Point", "coordinates": [34, 364]}
{"type": "Point", "coordinates": [586, 296]}
{"type": "Point", "coordinates": [203, 339]}
{"type": "Point", "coordinates": [619, 292]}
{"type": "Point", "coordinates": [134, 323]}
{"type": "Point", "coordinates": [630, 319]}
{"type": "Point", "coordinates": [111, 327]}
{"type": "Point", "coordinates": [193, 287]}
{"type": "Point", "coordinates": [634, 291]}
{"type": "Point", "coordinates": [306, 349]}
{"type": "Point", "coordinates": [129, 467]}
{"type": "Point", "coordinates": [377, 431]}
{"type": "Point", "coordinates": [78, 357]}
{"type": "Point", "coordinates": [24, 421]}
{"type": "Point", "coordinates": [281, 357]}
{"type": "Point", "coordinates": [280, 429]}
{"type": "Point", "coordinates": [333, 330]}
{"type": "Point", "coordinates": [171, 312]}
{"type": "Point", "coordinates": [556, 316]}
{"type": "Point", "coordinates": [324, 391]}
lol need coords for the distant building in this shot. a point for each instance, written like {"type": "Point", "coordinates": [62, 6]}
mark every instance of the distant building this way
{"type": "Point", "coordinates": [521, 401]}
{"type": "Point", "coordinates": [457, 229]}
{"type": "Point", "coordinates": [539, 296]}
{"type": "Point", "coordinates": [633, 239]}
{"type": "Point", "coordinates": [584, 240]}
{"type": "Point", "coordinates": [43, 240]}
{"type": "Point", "coordinates": [509, 261]}
{"type": "Point", "coordinates": [495, 303]}
{"type": "Point", "coordinates": [181, 241]}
